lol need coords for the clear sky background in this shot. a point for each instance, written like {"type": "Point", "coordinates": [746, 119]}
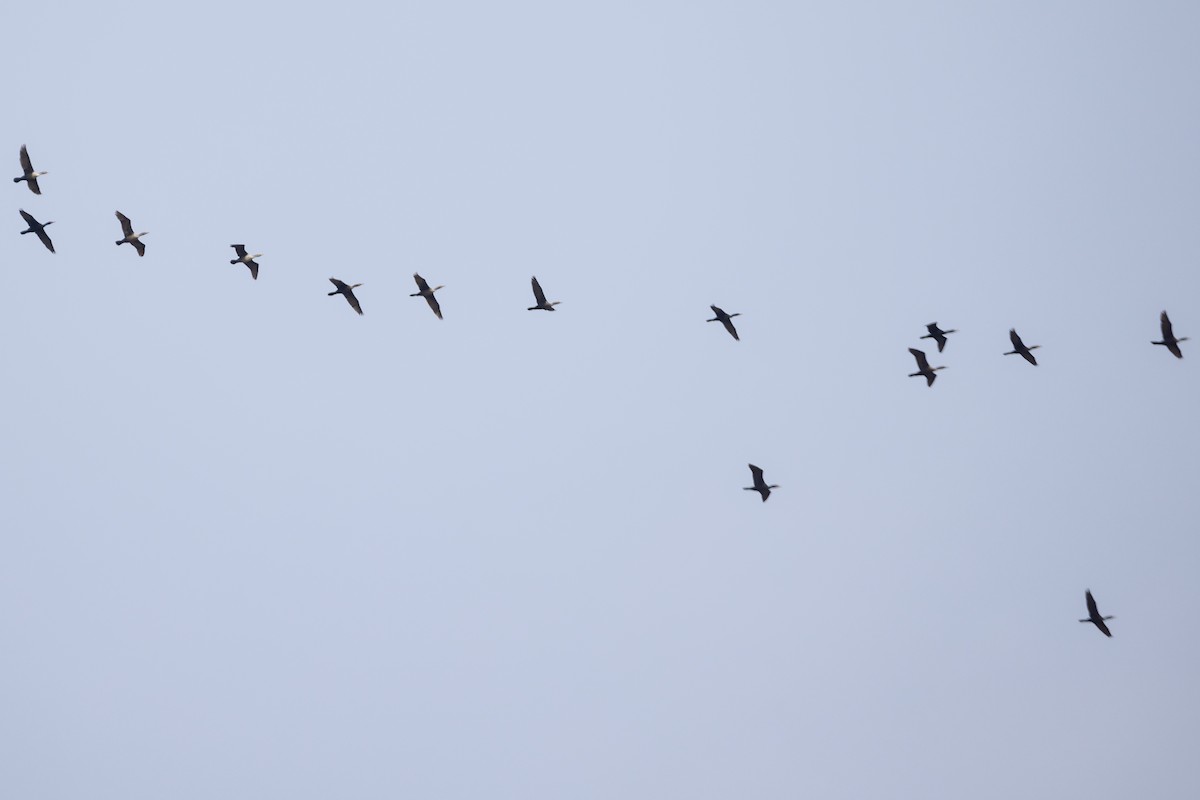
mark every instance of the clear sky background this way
{"type": "Point", "coordinates": [257, 546]}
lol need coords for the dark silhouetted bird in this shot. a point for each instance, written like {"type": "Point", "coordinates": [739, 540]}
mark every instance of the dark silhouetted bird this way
{"type": "Point", "coordinates": [131, 237]}
{"type": "Point", "coordinates": [427, 293]}
{"type": "Point", "coordinates": [245, 258]}
{"type": "Point", "coordinates": [1169, 341]}
{"type": "Point", "coordinates": [923, 367]}
{"type": "Point", "coordinates": [27, 173]}
{"type": "Point", "coordinates": [760, 485]}
{"type": "Point", "coordinates": [540, 296]}
{"type": "Point", "coordinates": [39, 228]}
{"type": "Point", "coordinates": [938, 335]}
{"type": "Point", "coordinates": [726, 320]}
{"type": "Point", "coordinates": [346, 291]}
{"type": "Point", "coordinates": [1019, 348]}
{"type": "Point", "coordinates": [1094, 615]}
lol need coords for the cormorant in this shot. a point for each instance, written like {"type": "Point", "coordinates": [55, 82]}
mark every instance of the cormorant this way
{"type": "Point", "coordinates": [923, 367]}
{"type": "Point", "coordinates": [427, 293]}
{"type": "Point", "coordinates": [39, 228]}
{"type": "Point", "coordinates": [346, 291]}
{"type": "Point", "coordinates": [27, 173]}
{"type": "Point", "coordinates": [726, 320]}
{"type": "Point", "coordinates": [247, 259]}
{"type": "Point", "coordinates": [540, 296]}
{"type": "Point", "coordinates": [938, 335]}
{"type": "Point", "coordinates": [760, 485]}
{"type": "Point", "coordinates": [1169, 340]}
{"type": "Point", "coordinates": [1019, 348]}
{"type": "Point", "coordinates": [1094, 615]}
{"type": "Point", "coordinates": [131, 237]}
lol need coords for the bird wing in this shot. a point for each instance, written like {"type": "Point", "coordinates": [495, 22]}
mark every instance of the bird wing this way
{"type": "Point", "coordinates": [1093, 612]}
{"type": "Point", "coordinates": [352, 300]}
{"type": "Point", "coordinates": [940, 338]}
{"type": "Point", "coordinates": [538, 294]}
{"type": "Point", "coordinates": [919, 355]}
{"type": "Point", "coordinates": [29, 220]}
{"type": "Point", "coordinates": [422, 284]}
{"type": "Point", "coordinates": [26, 165]}
{"type": "Point", "coordinates": [1168, 333]}
{"type": "Point", "coordinates": [728, 323]}
{"type": "Point", "coordinates": [33, 186]}
{"type": "Point", "coordinates": [718, 312]}
{"type": "Point", "coordinates": [433, 303]}
{"type": "Point", "coordinates": [45, 237]}
{"type": "Point", "coordinates": [140, 246]}
{"type": "Point", "coordinates": [125, 224]}
{"type": "Point", "coordinates": [1103, 627]}
{"type": "Point", "coordinates": [757, 473]}
{"type": "Point", "coordinates": [339, 285]}
{"type": "Point", "coordinates": [240, 249]}
{"type": "Point", "coordinates": [1016, 340]}
{"type": "Point", "coordinates": [253, 265]}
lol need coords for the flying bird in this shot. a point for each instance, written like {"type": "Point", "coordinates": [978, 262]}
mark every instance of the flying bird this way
{"type": "Point", "coordinates": [131, 237]}
{"type": "Point", "coordinates": [760, 485]}
{"type": "Point", "coordinates": [346, 291]}
{"type": "Point", "coordinates": [540, 296]}
{"type": "Point", "coordinates": [427, 293]}
{"type": "Point", "coordinates": [27, 173]}
{"type": "Point", "coordinates": [1019, 348]}
{"type": "Point", "coordinates": [923, 367]}
{"type": "Point", "coordinates": [1169, 340]}
{"type": "Point", "coordinates": [938, 335]}
{"type": "Point", "coordinates": [245, 258]}
{"type": "Point", "coordinates": [726, 320]}
{"type": "Point", "coordinates": [1094, 615]}
{"type": "Point", "coordinates": [38, 228]}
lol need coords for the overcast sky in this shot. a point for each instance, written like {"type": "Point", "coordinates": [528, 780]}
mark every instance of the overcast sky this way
{"type": "Point", "coordinates": [255, 545]}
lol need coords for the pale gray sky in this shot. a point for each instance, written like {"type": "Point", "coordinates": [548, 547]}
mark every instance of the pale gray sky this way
{"type": "Point", "coordinates": [257, 546]}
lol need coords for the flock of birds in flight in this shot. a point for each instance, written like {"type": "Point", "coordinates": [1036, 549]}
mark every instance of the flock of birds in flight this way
{"type": "Point", "coordinates": [30, 177]}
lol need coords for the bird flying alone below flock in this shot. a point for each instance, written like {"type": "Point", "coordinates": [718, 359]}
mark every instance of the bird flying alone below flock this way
{"type": "Point", "coordinates": [27, 173]}
{"type": "Point", "coordinates": [1094, 615]}
{"type": "Point", "coordinates": [427, 293]}
{"type": "Point", "coordinates": [131, 237]}
{"type": "Point", "coordinates": [760, 485]}
{"type": "Point", "coordinates": [1019, 348]}
{"type": "Point", "coordinates": [346, 291]}
{"type": "Point", "coordinates": [938, 335]}
{"type": "Point", "coordinates": [245, 258]}
{"type": "Point", "coordinates": [540, 296]}
{"type": "Point", "coordinates": [39, 228]}
{"type": "Point", "coordinates": [1169, 340]}
{"type": "Point", "coordinates": [726, 320]}
{"type": "Point", "coordinates": [923, 367]}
